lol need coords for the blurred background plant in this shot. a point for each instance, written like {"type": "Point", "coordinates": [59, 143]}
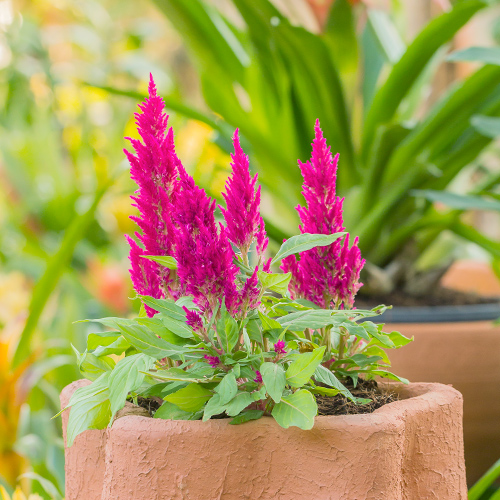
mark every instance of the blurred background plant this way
{"type": "Point", "coordinates": [71, 72]}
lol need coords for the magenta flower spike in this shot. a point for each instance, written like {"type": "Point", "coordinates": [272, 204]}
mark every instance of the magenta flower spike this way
{"type": "Point", "coordinates": [204, 255]}
{"type": "Point", "coordinates": [193, 319]}
{"type": "Point", "coordinates": [279, 347]}
{"type": "Point", "coordinates": [242, 215]}
{"type": "Point", "coordinates": [213, 361]}
{"type": "Point", "coordinates": [154, 169]}
{"type": "Point", "coordinates": [327, 276]}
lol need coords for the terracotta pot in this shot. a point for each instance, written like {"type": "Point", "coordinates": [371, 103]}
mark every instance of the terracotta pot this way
{"type": "Point", "coordinates": [465, 354]}
{"type": "Point", "coordinates": [406, 450]}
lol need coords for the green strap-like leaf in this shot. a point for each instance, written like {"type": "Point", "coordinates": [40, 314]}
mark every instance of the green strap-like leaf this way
{"type": "Point", "coordinates": [406, 71]}
{"type": "Point", "coordinates": [303, 242]}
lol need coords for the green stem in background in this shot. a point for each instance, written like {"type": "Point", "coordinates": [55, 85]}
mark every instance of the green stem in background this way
{"type": "Point", "coordinates": [53, 272]}
{"type": "Point", "coordinates": [476, 492]}
{"type": "Point", "coordinates": [170, 103]}
{"type": "Point", "coordinates": [406, 71]}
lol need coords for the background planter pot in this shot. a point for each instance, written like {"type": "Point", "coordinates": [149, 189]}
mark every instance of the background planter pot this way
{"type": "Point", "coordinates": [459, 345]}
{"type": "Point", "coordinates": [403, 451]}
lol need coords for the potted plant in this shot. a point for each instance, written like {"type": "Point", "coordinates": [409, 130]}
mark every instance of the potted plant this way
{"type": "Point", "coordinates": [222, 340]}
{"type": "Point", "coordinates": [401, 157]}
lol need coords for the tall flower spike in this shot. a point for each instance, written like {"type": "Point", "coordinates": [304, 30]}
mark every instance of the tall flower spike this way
{"type": "Point", "coordinates": [242, 215]}
{"type": "Point", "coordinates": [204, 255]}
{"type": "Point", "coordinates": [324, 275]}
{"type": "Point", "coordinates": [154, 169]}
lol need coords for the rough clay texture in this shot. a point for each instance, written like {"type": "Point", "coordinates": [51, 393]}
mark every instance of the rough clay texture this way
{"type": "Point", "coordinates": [467, 356]}
{"type": "Point", "coordinates": [407, 450]}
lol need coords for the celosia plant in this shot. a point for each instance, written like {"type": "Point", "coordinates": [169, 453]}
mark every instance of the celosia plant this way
{"type": "Point", "coordinates": [220, 333]}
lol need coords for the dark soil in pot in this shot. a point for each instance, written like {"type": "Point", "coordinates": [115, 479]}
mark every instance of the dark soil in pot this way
{"type": "Point", "coordinates": [327, 405]}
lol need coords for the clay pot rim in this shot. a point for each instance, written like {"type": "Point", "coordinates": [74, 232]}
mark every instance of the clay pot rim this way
{"type": "Point", "coordinates": [440, 314]}
{"type": "Point", "coordinates": [416, 397]}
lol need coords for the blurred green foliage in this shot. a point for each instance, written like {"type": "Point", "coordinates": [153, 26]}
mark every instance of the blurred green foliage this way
{"type": "Point", "coordinates": [272, 79]}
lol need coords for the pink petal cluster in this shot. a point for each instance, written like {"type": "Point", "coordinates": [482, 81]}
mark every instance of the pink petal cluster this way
{"type": "Point", "coordinates": [279, 347]}
{"type": "Point", "coordinates": [204, 255]}
{"type": "Point", "coordinates": [213, 361]}
{"type": "Point", "coordinates": [258, 377]}
{"type": "Point", "coordinates": [193, 319]}
{"type": "Point", "coordinates": [154, 169]}
{"type": "Point", "coordinates": [250, 293]}
{"type": "Point", "coordinates": [243, 220]}
{"type": "Point", "coordinates": [327, 276]}
{"type": "Point", "coordinates": [177, 219]}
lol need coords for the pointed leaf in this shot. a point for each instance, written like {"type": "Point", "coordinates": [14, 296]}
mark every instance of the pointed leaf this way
{"type": "Point", "coordinates": [303, 242]}
{"type": "Point", "coordinates": [325, 376]}
{"type": "Point", "coordinates": [246, 416]}
{"type": "Point", "coordinates": [274, 380]}
{"type": "Point", "coordinates": [297, 409]}
{"type": "Point", "coordinates": [191, 398]}
{"type": "Point", "coordinates": [127, 376]}
{"type": "Point", "coordinates": [227, 389]}
{"type": "Point", "coordinates": [302, 369]}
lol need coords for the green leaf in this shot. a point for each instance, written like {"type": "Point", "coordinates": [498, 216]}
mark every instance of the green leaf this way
{"type": "Point", "coordinates": [355, 329]}
{"type": "Point", "coordinates": [269, 323]}
{"type": "Point", "coordinates": [157, 326]}
{"type": "Point", "coordinates": [227, 389]}
{"type": "Point", "coordinates": [398, 339]}
{"type": "Point", "coordinates": [274, 379]}
{"type": "Point", "coordinates": [472, 234]}
{"type": "Point", "coordinates": [340, 34]}
{"type": "Point", "coordinates": [91, 366]}
{"type": "Point", "coordinates": [213, 407]}
{"type": "Point", "coordinates": [169, 411]}
{"type": "Point", "coordinates": [229, 332]}
{"type": "Point", "coordinates": [389, 375]}
{"type": "Point", "coordinates": [191, 398]}
{"type": "Point", "coordinates": [239, 403]}
{"type": "Point", "coordinates": [200, 23]}
{"type": "Point", "coordinates": [375, 331]}
{"type": "Point", "coordinates": [486, 55]}
{"type": "Point", "coordinates": [297, 409]}
{"type": "Point", "coordinates": [95, 340]}
{"type": "Point", "coordinates": [303, 242]}
{"type": "Point", "coordinates": [179, 328]}
{"type": "Point", "coordinates": [253, 330]}
{"type": "Point", "coordinates": [246, 416]}
{"type": "Point", "coordinates": [363, 360]}
{"type": "Point", "coordinates": [306, 319]}
{"type": "Point", "coordinates": [119, 346]}
{"type": "Point", "coordinates": [489, 126]}
{"type": "Point", "coordinates": [178, 374]}
{"type": "Point", "coordinates": [482, 485]}
{"type": "Point", "coordinates": [386, 34]}
{"type": "Point", "coordinates": [324, 391]}
{"type": "Point", "coordinates": [458, 201]}
{"type": "Point", "coordinates": [165, 261]}
{"type": "Point", "coordinates": [302, 369]}
{"type": "Point", "coordinates": [143, 339]}
{"type": "Point", "coordinates": [167, 307]}
{"type": "Point", "coordinates": [93, 412]}
{"type": "Point", "coordinates": [127, 376]}
{"type": "Point", "coordinates": [325, 376]}
{"type": "Point", "coordinates": [259, 395]}
{"type": "Point", "coordinates": [276, 282]}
